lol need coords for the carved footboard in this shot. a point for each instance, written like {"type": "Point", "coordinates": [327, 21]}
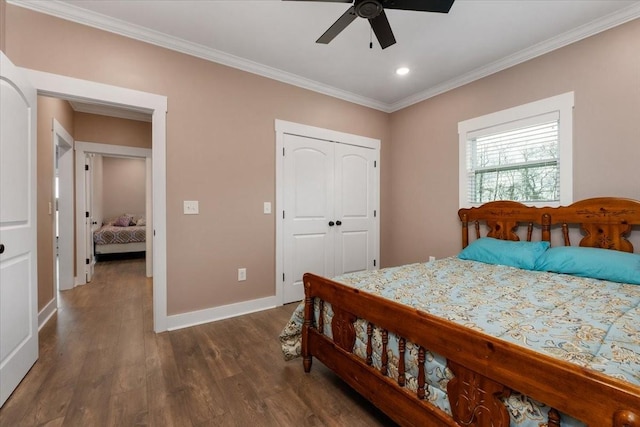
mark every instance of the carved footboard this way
{"type": "Point", "coordinates": [486, 369]}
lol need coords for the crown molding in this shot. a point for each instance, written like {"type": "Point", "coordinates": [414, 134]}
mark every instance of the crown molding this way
{"type": "Point", "coordinates": [102, 22]}
{"type": "Point", "coordinates": [602, 24]}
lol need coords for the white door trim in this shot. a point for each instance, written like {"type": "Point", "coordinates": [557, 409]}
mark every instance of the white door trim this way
{"type": "Point", "coordinates": [83, 148]}
{"type": "Point", "coordinates": [63, 140]}
{"type": "Point", "coordinates": [76, 89]}
{"type": "Point", "coordinates": [283, 127]}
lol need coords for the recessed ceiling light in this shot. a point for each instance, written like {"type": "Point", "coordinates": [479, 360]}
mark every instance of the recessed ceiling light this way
{"type": "Point", "coordinates": [402, 71]}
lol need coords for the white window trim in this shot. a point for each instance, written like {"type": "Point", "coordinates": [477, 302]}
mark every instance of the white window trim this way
{"type": "Point", "coordinates": [563, 104]}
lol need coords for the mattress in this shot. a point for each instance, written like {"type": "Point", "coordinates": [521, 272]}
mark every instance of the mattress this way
{"type": "Point", "coordinates": [111, 234]}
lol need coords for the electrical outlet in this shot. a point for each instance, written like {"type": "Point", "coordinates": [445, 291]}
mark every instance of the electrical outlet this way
{"type": "Point", "coordinates": [267, 207]}
{"type": "Point", "coordinates": [242, 274]}
{"type": "Point", "coordinates": [432, 258]}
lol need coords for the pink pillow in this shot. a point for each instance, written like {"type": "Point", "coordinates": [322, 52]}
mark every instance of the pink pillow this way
{"type": "Point", "coordinates": [123, 221]}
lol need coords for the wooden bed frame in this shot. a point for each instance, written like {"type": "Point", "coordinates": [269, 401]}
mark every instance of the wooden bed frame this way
{"type": "Point", "coordinates": [485, 368]}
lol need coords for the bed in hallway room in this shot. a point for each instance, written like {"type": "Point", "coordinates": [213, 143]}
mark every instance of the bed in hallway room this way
{"type": "Point", "coordinates": [124, 234]}
{"type": "Point", "coordinates": [507, 333]}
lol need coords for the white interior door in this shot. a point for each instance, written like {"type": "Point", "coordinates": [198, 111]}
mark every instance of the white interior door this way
{"type": "Point", "coordinates": [355, 208]}
{"type": "Point", "coordinates": [64, 204]}
{"type": "Point", "coordinates": [88, 218]}
{"type": "Point", "coordinates": [308, 201]}
{"type": "Point", "coordinates": [18, 267]}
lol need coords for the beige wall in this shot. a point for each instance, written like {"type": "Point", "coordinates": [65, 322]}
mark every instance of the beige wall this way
{"type": "Point", "coordinates": [48, 109]}
{"type": "Point", "coordinates": [123, 186]}
{"type": "Point", "coordinates": [112, 130]}
{"type": "Point", "coordinates": [3, 5]}
{"type": "Point", "coordinates": [220, 148]}
{"type": "Point", "coordinates": [604, 73]}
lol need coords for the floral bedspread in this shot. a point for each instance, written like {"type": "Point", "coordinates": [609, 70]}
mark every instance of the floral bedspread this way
{"type": "Point", "coordinates": [593, 323]}
{"type": "Point", "coordinates": [112, 234]}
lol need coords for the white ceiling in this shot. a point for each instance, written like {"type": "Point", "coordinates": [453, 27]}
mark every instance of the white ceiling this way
{"type": "Point", "coordinates": [277, 39]}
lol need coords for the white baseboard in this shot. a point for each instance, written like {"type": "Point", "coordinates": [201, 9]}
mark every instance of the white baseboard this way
{"type": "Point", "coordinates": [193, 318]}
{"type": "Point", "coordinates": [47, 312]}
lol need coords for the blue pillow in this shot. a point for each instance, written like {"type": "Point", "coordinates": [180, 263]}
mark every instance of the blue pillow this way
{"type": "Point", "coordinates": [504, 252]}
{"type": "Point", "coordinates": [606, 264]}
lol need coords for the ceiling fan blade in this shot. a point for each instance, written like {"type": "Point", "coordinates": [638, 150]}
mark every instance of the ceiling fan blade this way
{"type": "Point", "coordinates": [382, 30]}
{"type": "Point", "coordinates": [337, 27]}
{"type": "Point", "coordinates": [326, 1]}
{"type": "Point", "coordinates": [441, 6]}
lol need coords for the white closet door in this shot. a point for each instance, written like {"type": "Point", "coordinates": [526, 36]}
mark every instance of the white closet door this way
{"type": "Point", "coordinates": [355, 201]}
{"type": "Point", "coordinates": [308, 204]}
{"type": "Point", "coordinates": [18, 263]}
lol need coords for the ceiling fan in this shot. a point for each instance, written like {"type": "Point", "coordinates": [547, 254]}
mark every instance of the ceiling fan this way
{"type": "Point", "coordinates": [373, 10]}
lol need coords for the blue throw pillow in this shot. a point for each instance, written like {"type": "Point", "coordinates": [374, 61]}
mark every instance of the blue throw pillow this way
{"type": "Point", "coordinates": [504, 252]}
{"type": "Point", "coordinates": [606, 264]}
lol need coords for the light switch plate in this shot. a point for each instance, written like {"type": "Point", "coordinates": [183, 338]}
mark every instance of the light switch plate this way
{"type": "Point", "coordinates": [191, 207]}
{"type": "Point", "coordinates": [267, 207]}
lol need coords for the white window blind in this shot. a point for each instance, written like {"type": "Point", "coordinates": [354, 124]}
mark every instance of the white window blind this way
{"type": "Point", "coordinates": [518, 163]}
{"type": "Point", "coordinates": [522, 154]}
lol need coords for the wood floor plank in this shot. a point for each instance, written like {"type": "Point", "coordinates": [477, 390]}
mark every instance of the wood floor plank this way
{"type": "Point", "coordinates": [246, 405]}
{"type": "Point", "coordinates": [88, 405]}
{"type": "Point", "coordinates": [50, 407]}
{"type": "Point", "coordinates": [130, 347]}
{"type": "Point", "coordinates": [151, 352]}
{"type": "Point", "coordinates": [203, 391]}
{"type": "Point", "coordinates": [97, 363]}
{"type": "Point", "coordinates": [167, 405]}
{"type": "Point", "coordinates": [58, 422]}
{"type": "Point", "coordinates": [289, 410]}
{"type": "Point", "coordinates": [129, 408]}
{"type": "Point", "coordinates": [221, 358]}
{"type": "Point", "coordinates": [168, 367]}
{"type": "Point", "coordinates": [129, 377]}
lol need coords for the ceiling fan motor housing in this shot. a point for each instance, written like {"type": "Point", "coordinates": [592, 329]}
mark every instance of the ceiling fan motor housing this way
{"type": "Point", "coordinates": [373, 11]}
{"type": "Point", "coordinates": [368, 9]}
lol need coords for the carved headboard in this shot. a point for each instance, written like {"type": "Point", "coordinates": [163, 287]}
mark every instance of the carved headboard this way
{"type": "Point", "coordinates": [605, 221]}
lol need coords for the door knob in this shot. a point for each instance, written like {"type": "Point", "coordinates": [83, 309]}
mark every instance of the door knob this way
{"type": "Point", "coordinates": [338, 222]}
{"type": "Point", "coordinates": [331, 223]}
{"type": "Point", "coordinates": [1, 248]}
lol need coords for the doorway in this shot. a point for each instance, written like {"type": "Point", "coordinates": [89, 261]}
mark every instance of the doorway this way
{"type": "Point", "coordinates": [86, 91]}
{"type": "Point", "coordinates": [85, 153]}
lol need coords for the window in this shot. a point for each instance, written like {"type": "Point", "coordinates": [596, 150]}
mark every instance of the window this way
{"type": "Point", "coordinates": [523, 154]}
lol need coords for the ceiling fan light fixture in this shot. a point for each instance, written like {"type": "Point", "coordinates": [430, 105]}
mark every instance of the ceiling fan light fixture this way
{"type": "Point", "coordinates": [402, 71]}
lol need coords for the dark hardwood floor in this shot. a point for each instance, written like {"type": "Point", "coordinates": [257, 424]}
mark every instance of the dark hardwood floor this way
{"type": "Point", "coordinates": [101, 364]}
